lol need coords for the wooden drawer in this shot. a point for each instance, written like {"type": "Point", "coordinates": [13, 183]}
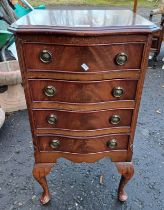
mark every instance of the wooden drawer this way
{"type": "Point", "coordinates": [71, 58]}
{"type": "Point", "coordinates": [85, 145]}
{"type": "Point", "coordinates": [82, 92]}
{"type": "Point", "coordinates": [81, 120]}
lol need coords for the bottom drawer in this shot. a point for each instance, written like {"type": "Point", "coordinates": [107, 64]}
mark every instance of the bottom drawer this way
{"type": "Point", "coordinates": [83, 145]}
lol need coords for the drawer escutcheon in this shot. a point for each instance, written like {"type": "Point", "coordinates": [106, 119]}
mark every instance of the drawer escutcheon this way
{"type": "Point", "coordinates": [55, 144]}
{"type": "Point", "coordinates": [115, 119]}
{"type": "Point", "coordinates": [52, 119]}
{"type": "Point", "coordinates": [49, 91]}
{"type": "Point", "coordinates": [112, 143]}
{"type": "Point", "coordinates": [45, 56]}
{"type": "Point", "coordinates": [117, 92]}
{"type": "Point", "coordinates": [121, 58]}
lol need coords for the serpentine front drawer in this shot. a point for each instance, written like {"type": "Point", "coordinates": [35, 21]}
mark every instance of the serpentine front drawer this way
{"type": "Point", "coordinates": [82, 91]}
{"type": "Point", "coordinates": [74, 120]}
{"type": "Point", "coordinates": [83, 145]}
{"type": "Point", "coordinates": [83, 58]}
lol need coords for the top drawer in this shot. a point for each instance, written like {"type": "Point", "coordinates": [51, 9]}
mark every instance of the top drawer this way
{"type": "Point", "coordinates": [44, 57]}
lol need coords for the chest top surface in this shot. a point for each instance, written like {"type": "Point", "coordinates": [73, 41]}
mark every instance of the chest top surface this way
{"type": "Point", "coordinates": [82, 20]}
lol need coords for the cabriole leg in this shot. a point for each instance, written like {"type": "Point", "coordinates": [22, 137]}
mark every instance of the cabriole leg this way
{"type": "Point", "coordinates": [126, 169]}
{"type": "Point", "coordinates": [40, 171]}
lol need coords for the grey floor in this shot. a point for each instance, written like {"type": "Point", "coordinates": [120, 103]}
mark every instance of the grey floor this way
{"type": "Point", "coordinates": [77, 186]}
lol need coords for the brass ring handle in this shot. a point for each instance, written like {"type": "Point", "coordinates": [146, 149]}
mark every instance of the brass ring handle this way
{"type": "Point", "coordinates": [49, 91]}
{"type": "Point", "coordinates": [52, 119]}
{"type": "Point", "coordinates": [45, 56]}
{"type": "Point", "coordinates": [115, 119]}
{"type": "Point", "coordinates": [121, 58]}
{"type": "Point", "coordinates": [112, 144]}
{"type": "Point", "coordinates": [117, 92]}
{"type": "Point", "coordinates": [55, 144]}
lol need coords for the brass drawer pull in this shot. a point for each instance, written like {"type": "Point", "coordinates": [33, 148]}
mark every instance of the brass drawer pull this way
{"type": "Point", "coordinates": [49, 91]}
{"type": "Point", "coordinates": [117, 92]}
{"type": "Point", "coordinates": [112, 144]}
{"type": "Point", "coordinates": [52, 119]}
{"type": "Point", "coordinates": [45, 56]}
{"type": "Point", "coordinates": [55, 144]}
{"type": "Point", "coordinates": [121, 58]}
{"type": "Point", "coordinates": [115, 119]}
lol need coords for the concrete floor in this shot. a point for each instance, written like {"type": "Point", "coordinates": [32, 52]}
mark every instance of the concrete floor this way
{"type": "Point", "coordinates": [77, 186]}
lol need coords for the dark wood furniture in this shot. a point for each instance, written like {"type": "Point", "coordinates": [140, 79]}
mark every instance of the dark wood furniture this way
{"type": "Point", "coordinates": [157, 39]}
{"type": "Point", "coordinates": [83, 73]}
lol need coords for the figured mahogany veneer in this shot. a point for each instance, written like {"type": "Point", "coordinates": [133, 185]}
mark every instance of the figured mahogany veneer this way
{"type": "Point", "coordinates": [83, 145]}
{"type": "Point", "coordinates": [81, 120]}
{"type": "Point", "coordinates": [98, 58]}
{"type": "Point", "coordinates": [80, 69]}
{"type": "Point", "coordinates": [83, 92]}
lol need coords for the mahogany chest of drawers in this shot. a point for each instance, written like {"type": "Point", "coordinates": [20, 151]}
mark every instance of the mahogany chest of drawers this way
{"type": "Point", "coordinates": [83, 73]}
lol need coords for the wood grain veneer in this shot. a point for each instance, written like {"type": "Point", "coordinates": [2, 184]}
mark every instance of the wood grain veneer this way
{"type": "Point", "coordinates": [98, 58]}
{"type": "Point", "coordinates": [83, 145]}
{"type": "Point", "coordinates": [83, 47]}
{"type": "Point", "coordinates": [82, 92]}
